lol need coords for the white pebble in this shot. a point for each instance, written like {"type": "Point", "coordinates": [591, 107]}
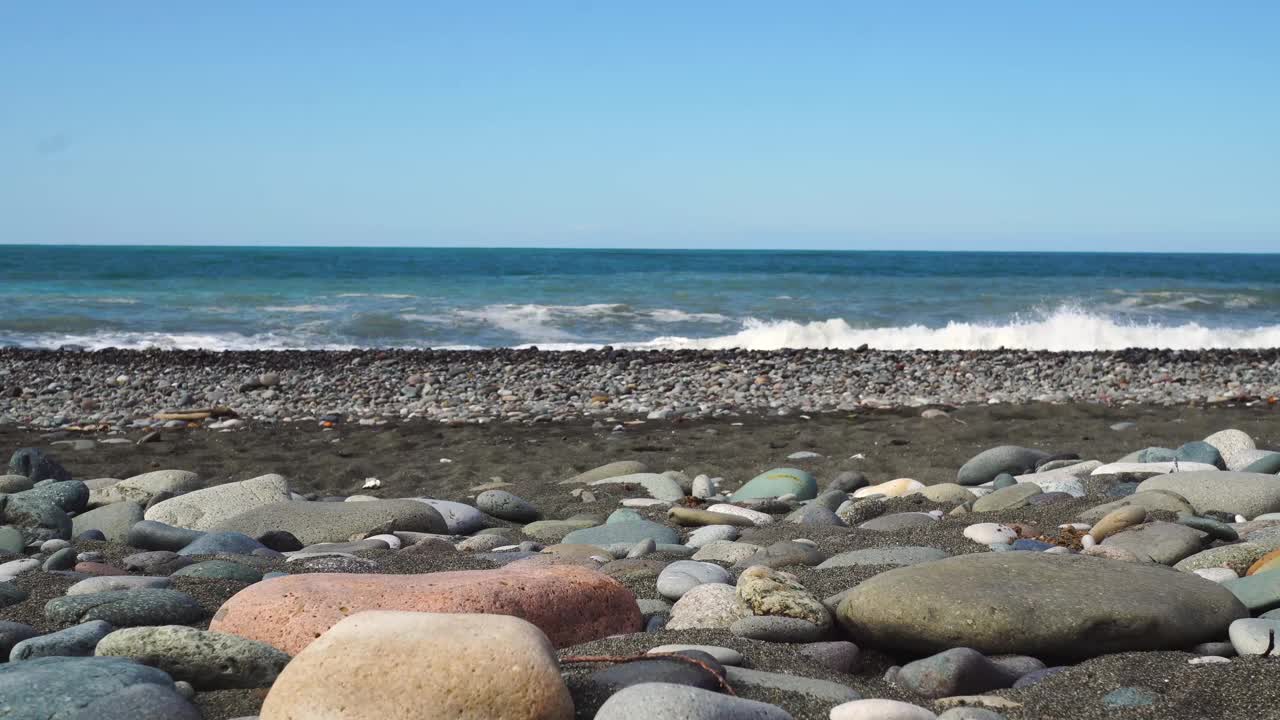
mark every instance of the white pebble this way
{"type": "Point", "coordinates": [1208, 660]}
{"type": "Point", "coordinates": [991, 534]}
{"type": "Point", "coordinates": [643, 502]}
{"type": "Point", "coordinates": [1087, 541]}
{"type": "Point", "coordinates": [1075, 526]}
{"type": "Point", "coordinates": [880, 710]}
{"type": "Point", "coordinates": [370, 483]}
{"type": "Point", "coordinates": [754, 516]}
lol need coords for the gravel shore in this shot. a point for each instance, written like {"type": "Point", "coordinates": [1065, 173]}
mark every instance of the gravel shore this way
{"type": "Point", "coordinates": [127, 388]}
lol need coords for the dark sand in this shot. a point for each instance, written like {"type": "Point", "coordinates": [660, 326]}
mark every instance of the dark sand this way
{"type": "Point", "coordinates": [406, 458]}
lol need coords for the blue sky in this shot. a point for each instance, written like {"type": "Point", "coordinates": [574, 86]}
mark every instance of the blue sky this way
{"type": "Point", "coordinates": [1134, 125]}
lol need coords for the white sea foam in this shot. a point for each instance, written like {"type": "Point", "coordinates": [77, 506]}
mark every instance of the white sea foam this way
{"type": "Point", "coordinates": [300, 308]}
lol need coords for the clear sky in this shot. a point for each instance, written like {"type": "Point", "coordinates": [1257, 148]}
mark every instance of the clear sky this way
{"type": "Point", "coordinates": [1098, 124]}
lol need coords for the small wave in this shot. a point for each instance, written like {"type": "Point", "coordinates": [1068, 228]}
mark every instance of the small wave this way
{"type": "Point", "coordinates": [389, 296]}
{"type": "Point", "coordinates": [1064, 329]}
{"type": "Point", "coordinates": [300, 308]}
{"type": "Point", "coordinates": [673, 316]}
{"type": "Point", "coordinates": [177, 341]}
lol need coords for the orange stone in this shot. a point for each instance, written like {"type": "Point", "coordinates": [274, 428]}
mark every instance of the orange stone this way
{"type": "Point", "coordinates": [1266, 563]}
{"type": "Point", "coordinates": [570, 604]}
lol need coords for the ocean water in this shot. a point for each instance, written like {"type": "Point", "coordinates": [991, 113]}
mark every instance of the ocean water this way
{"type": "Point", "coordinates": [253, 298]}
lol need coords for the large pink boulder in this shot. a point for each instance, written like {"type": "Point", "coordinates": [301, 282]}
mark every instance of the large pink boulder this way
{"type": "Point", "coordinates": [570, 604]}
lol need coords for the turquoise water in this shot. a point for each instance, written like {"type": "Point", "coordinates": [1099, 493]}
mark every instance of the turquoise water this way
{"type": "Point", "coordinates": [240, 298]}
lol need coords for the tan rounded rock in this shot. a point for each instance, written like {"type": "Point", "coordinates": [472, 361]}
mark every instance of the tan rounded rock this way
{"type": "Point", "coordinates": [765, 591]}
{"type": "Point", "coordinates": [948, 493]}
{"type": "Point", "coordinates": [423, 666]}
{"type": "Point", "coordinates": [893, 488]}
{"type": "Point", "coordinates": [1119, 519]}
{"type": "Point", "coordinates": [570, 604]}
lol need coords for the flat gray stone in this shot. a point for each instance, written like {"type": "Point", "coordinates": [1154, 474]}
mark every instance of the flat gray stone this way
{"type": "Point", "coordinates": [776, 629]}
{"type": "Point", "coordinates": [507, 506]}
{"type": "Point", "coordinates": [142, 702]}
{"type": "Point", "coordinates": [1039, 604]}
{"type": "Point", "coordinates": [986, 465]}
{"type": "Point", "coordinates": [623, 526]}
{"type": "Point", "coordinates": [459, 518]}
{"type": "Point", "coordinates": [668, 701]}
{"type": "Point", "coordinates": [899, 521]}
{"type": "Point", "coordinates": [1259, 592]}
{"type": "Point", "coordinates": [209, 508]}
{"type": "Point", "coordinates": [113, 520]}
{"type": "Point", "coordinates": [1248, 494]}
{"type": "Point", "coordinates": [126, 608]}
{"type": "Point", "coordinates": [110, 583]}
{"type": "Point", "coordinates": [658, 486]}
{"type": "Point", "coordinates": [1255, 636]}
{"type": "Point", "coordinates": [1161, 542]}
{"type": "Point", "coordinates": [317, 522]}
{"type": "Point", "coordinates": [1151, 501]}
{"type": "Point", "coordinates": [142, 488]}
{"type": "Point", "coordinates": [604, 472]}
{"type": "Point", "coordinates": [1014, 496]}
{"type": "Point", "coordinates": [723, 655]}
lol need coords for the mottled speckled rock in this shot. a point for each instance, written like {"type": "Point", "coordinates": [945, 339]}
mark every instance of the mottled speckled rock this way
{"type": "Point", "coordinates": [1248, 494]}
{"type": "Point", "coordinates": [570, 604]}
{"type": "Point", "coordinates": [317, 522]}
{"type": "Point", "coordinates": [207, 509]}
{"type": "Point", "coordinates": [765, 591]}
{"type": "Point", "coordinates": [207, 660]}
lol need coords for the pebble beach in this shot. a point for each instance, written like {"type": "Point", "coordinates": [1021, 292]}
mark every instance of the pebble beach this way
{"type": "Point", "coordinates": [618, 534]}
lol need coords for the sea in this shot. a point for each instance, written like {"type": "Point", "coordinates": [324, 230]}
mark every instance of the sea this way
{"type": "Point", "coordinates": [237, 298]}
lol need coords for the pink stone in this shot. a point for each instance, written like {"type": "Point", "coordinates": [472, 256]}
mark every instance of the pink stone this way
{"type": "Point", "coordinates": [570, 604]}
{"type": "Point", "coordinates": [93, 568]}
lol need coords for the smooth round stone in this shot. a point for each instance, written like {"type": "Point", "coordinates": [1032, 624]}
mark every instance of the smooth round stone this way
{"type": "Point", "coordinates": [507, 506]}
{"type": "Point", "coordinates": [1036, 676]}
{"type": "Point", "coordinates": [110, 583]}
{"type": "Point", "coordinates": [958, 671]}
{"type": "Point", "coordinates": [1217, 574]}
{"type": "Point", "coordinates": [668, 701]}
{"type": "Point", "coordinates": [143, 488]}
{"type": "Point", "coordinates": [1223, 649]}
{"type": "Point", "coordinates": [660, 486]}
{"type": "Point", "coordinates": [991, 534]}
{"type": "Point", "coordinates": [1161, 542]}
{"type": "Point", "coordinates": [121, 690]}
{"type": "Point", "coordinates": [1037, 604]}
{"type": "Point", "coordinates": [613, 469]}
{"type": "Point", "coordinates": [900, 487]}
{"type": "Point", "coordinates": [986, 465]}
{"type": "Point", "coordinates": [156, 562]}
{"type": "Point", "coordinates": [1013, 496]}
{"type": "Point", "coordinates": [1237, 557]}
{"type": "Point", "coordinates": [114, 521]}
{"type": "Point", "coordinates": [1247, 494]}
{"type": "Point", "coordinates": [1002, 481]}
{"type": "Point", "coordinates": [896, 555]}
{"type": "Point", "coordinates": [1201, 452]}
{"type": "Point", "coordinates": [723, 655]}
{"type": "Point", "coordinates": [899, 521]}
{"type": "Point", "coordinates": [126, 608]}
{"type": "Point", "coordinates": [477, 666]}
{"type": "Point", "coordinates": [317, 522]}
{"type": "Point", "coordinates": [12, 633]}
{"type": "Point", "coordinates": [54, 545]}
{"type": "Point", "coordinates": [207, 660]}
{"type": "Point", "coordinates": [642, 548]}
{"type": "Point", "coordinates": [682, 576]}
{"type": "Point", "coordinates": [11, 540]}
{"type": "Point", "coordinates": [220, 570]}
{"type": "Point", "coordinates": [1268, 464]}
{"type": "Point", "coordinates": [815, 514]}
{"type": "Point", "coordinates": [64, 559]}
{"type": "Point", "coordinates": [880, 710]}
{"type": "Point", "coordinates": [711, 605]}
{"type": "Point", "coordinates": [1031, 545]}
{"type": "Point", "coordinates": [708, 534]}
{"type": "Point", "coordinates": [948, 493]}
{"type": "Point", "coordinates": [623, 526]}
{"type": "Point", "coordinates": [756, 517]}
{"type": "Point", "coordinates": [1255, 636]}
{"type": "Point", "coordinates": [13, 568]}
{"type": "Point", "coordinates": [208, 508]}
{"type": "Point", "coordinates": [838, 655]}
{"type": "Point", "coordinates": [774, 628]}
{"type": "Point", "coordinates": [777, 482]}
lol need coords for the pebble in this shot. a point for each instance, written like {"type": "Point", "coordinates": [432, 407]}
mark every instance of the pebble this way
{"type": "Point", "coordinates": [880, 710]}
{"type": "Point", "coordinates": [75, 641]}
{"type": "Point", "coordinates": [775, 628]}
{"type": "Point", "coordinates": [207, 660]}
{"type": "Point", "coordinates": [711, 605]}
{"type": "Point", "coordinates": [682, 576]}
{"type": "Point", "coordinates": [990, 534]}
{"type": "Point", "coordinates": [893, 488]}
{"type": "Point", "coordinates": [668, 701]}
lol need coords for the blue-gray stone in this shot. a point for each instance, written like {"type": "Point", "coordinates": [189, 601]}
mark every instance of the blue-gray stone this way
{"type": "Point", "coordinates": [893, 555]}
{"type": "Point", "coordinates": [1258, 592]}
{"type": "Point", "coordinates": [60, 688]}
{"type": "Point", "coordinates": [75, 641]}
{"type": "Point", "coordinates": [1201, 452]}
{"type": "Point", "coordinates": [1156, 454]}
{"type": "Point", "coordinates": [847, 481]}
{"type": "Point", "coordinates": [1036, 676]}
{"type": "Point", "coordinates": [220, 570]}
{"type": "Point", "coordinates": [1127, 697]}
{"type": "Point", "coordinates": [1003, 480]}
{"type": "Point", "coordinates": [126, 608]}
{"type": "Point", "coordinates": [1215, 529]}
{"type": "Point", "coordinates": [71, 496]}
{"type": "Point", "coordinates": [776, 483]}
{"type": "Point", "coordinates": [1267, 465]}
{"type": "Point", "coordinates": [986, 465]}
{"type": "Point", "coordinates": [815, 514]}
{"type": "Point", "coordinates": [624, 526]}
{"type": "Point", "coordinates": [1032, 545]}
{"type": "Point", "coordinates": [959, 671]}
{"type": "Point", "coordinates": [226, 543]}
{"type": "Point", "coordinates": [153, 535]}
{"type": "Point", "coordinates": [11, 540]}
{"type": "Point", "coordinates": [141, 702]}
{"type": "Point", "coordinates": [39, 518]}
{"type": "Point", "coordinates": [36, 465]}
